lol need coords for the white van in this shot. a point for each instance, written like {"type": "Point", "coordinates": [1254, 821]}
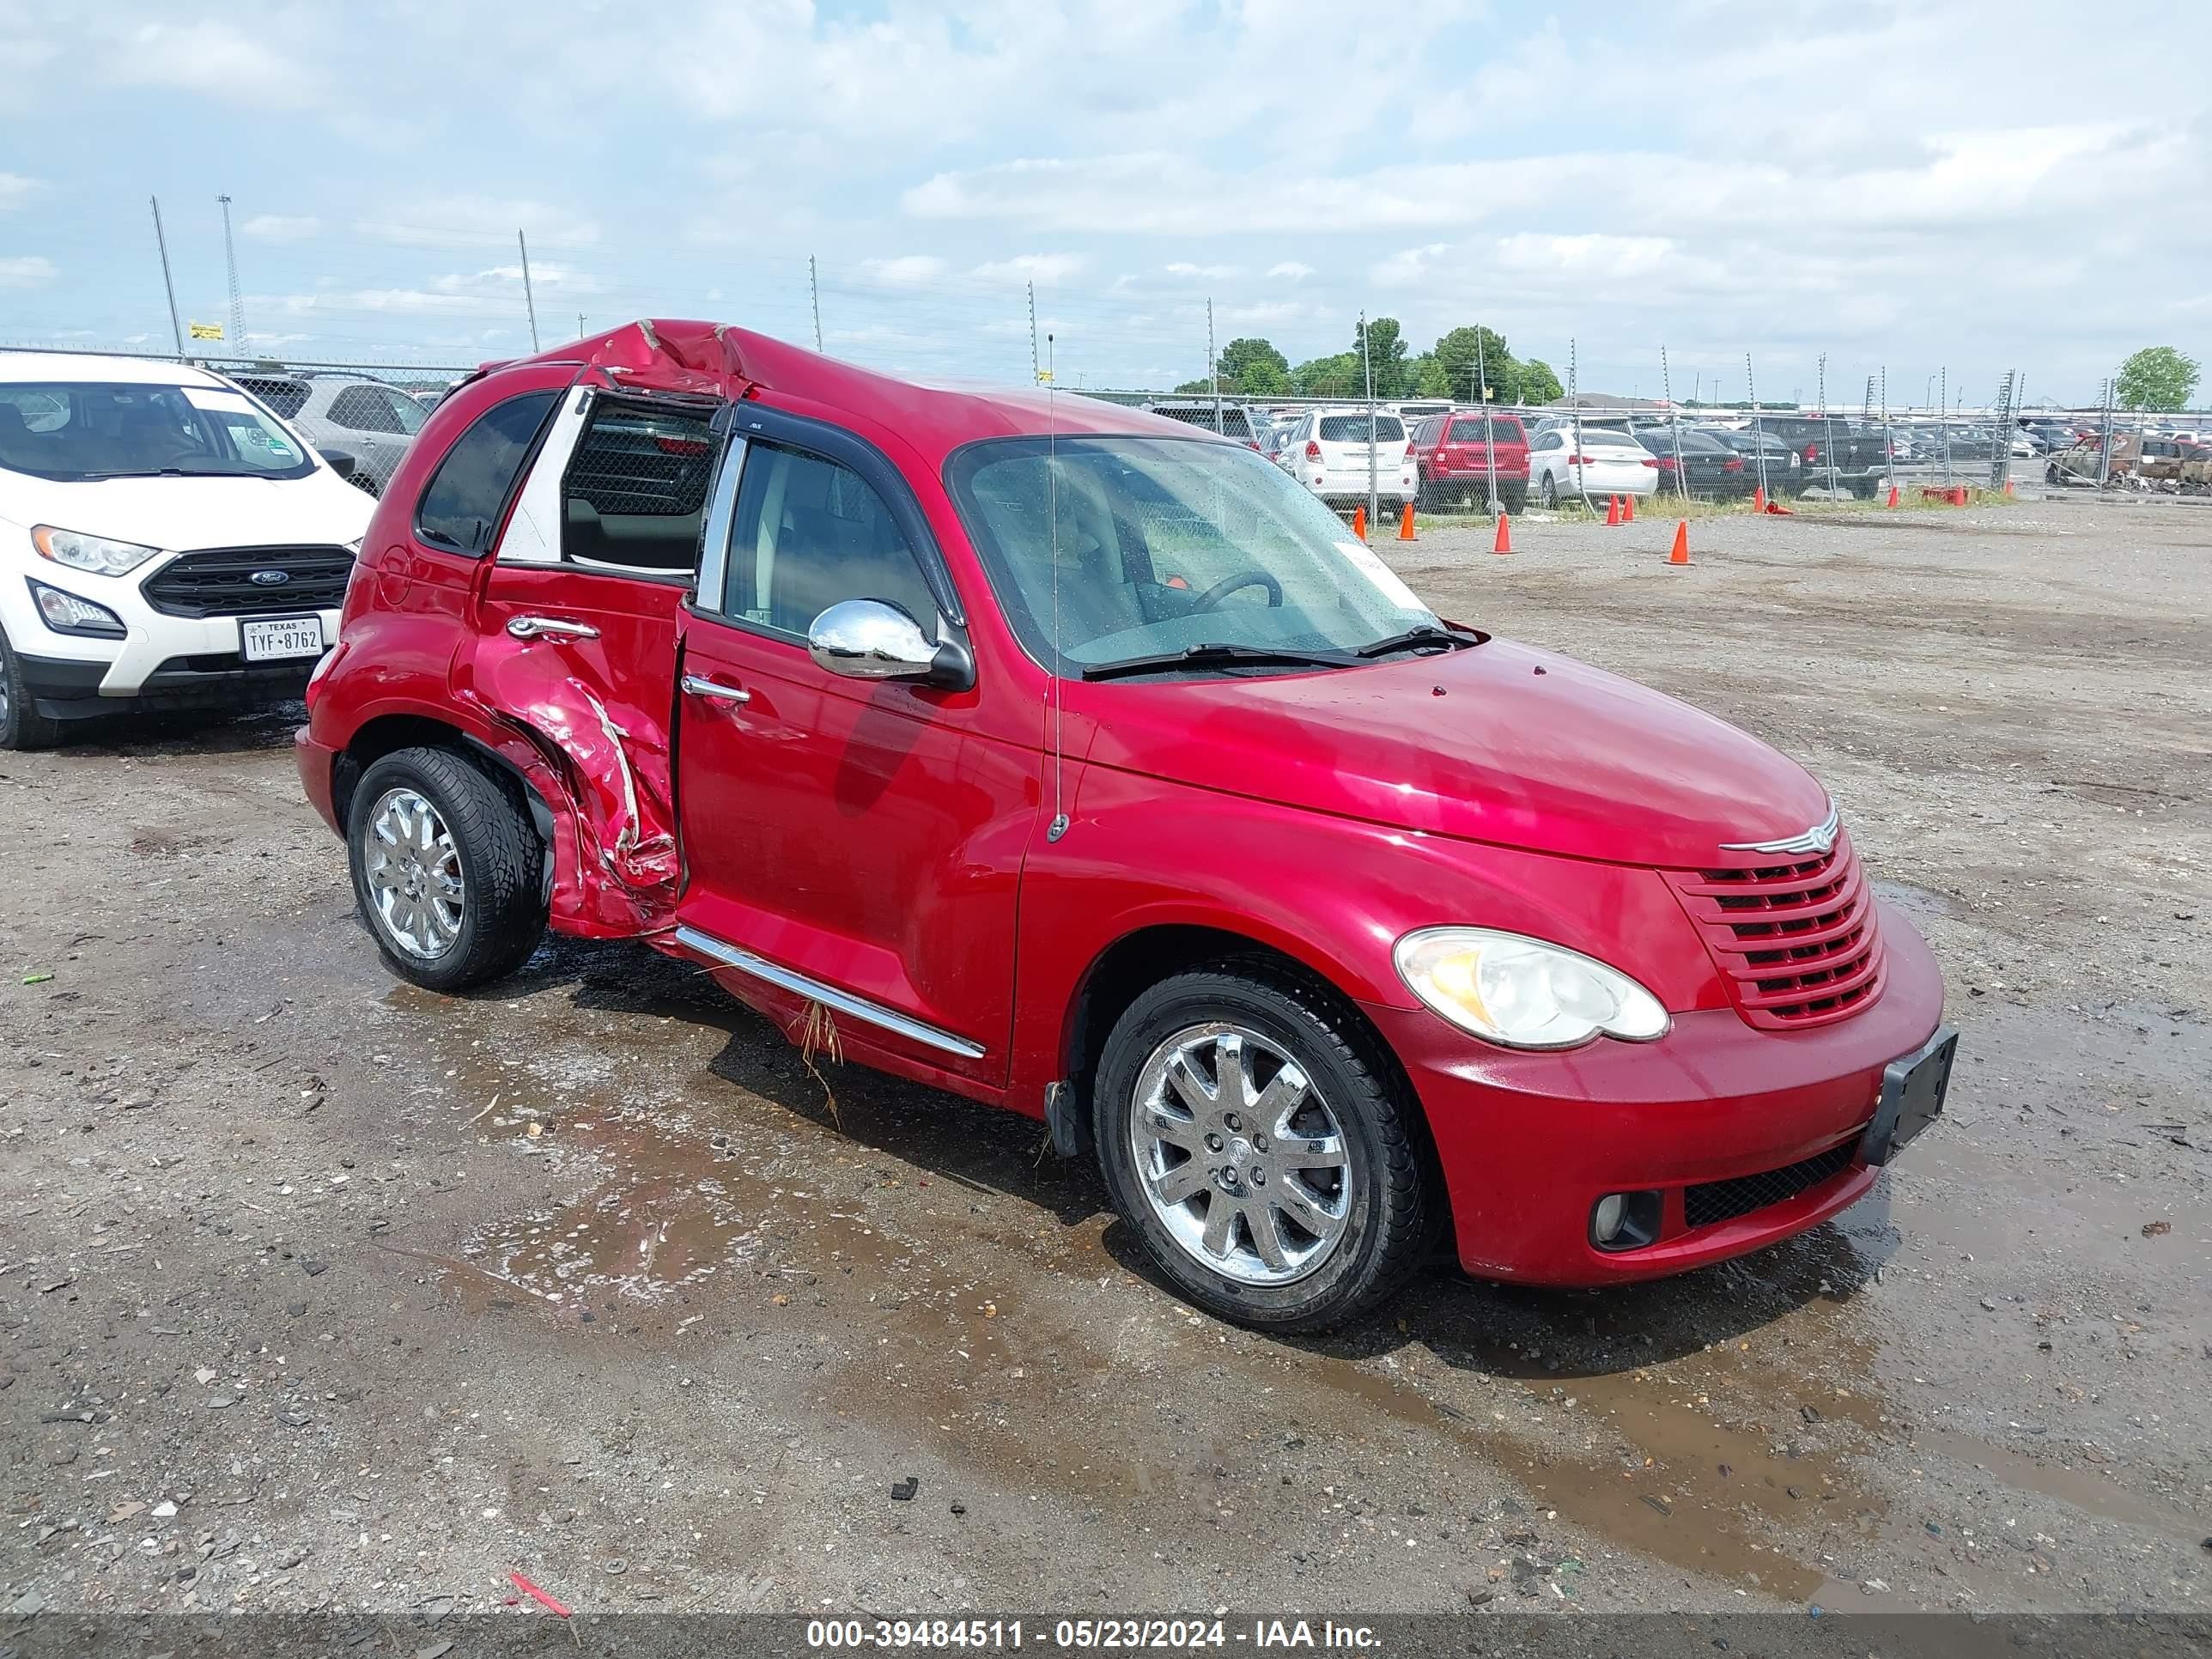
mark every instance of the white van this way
{"type": "Point", "coordinates": [165, 539]}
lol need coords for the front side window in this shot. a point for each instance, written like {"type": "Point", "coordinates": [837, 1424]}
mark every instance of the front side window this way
{"type": "Point", "coordinates": [809, 532]}
{"type": "Point", "coordinates": [79, 430]}
{"type": "Point", "coordinates": [1103, 550]}
{"type": "Point", "coordinates": [467, 495]}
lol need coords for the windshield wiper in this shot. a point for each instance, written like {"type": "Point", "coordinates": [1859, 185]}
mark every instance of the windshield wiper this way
{"type": "Point", "coordinates": [1426, 634]}
{"type": "Point", "coordinates": [168, 472]}
{"type": "Point", "coordinates": [1209, 656]}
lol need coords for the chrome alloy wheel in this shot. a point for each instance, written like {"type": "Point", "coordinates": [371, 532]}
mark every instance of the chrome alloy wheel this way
{"type": "Point", "coordinates": [1241, 1158]}
{"type": "Point", "coordinates": [413, 872]}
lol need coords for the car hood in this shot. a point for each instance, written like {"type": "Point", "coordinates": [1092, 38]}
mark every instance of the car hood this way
{"type": "Point", "coordinates": [1499, 742]}
{"type": "Point", "coordinates": [178, 514]}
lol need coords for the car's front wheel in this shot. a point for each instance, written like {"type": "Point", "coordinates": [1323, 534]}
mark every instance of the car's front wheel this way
{"type": "Point", "coordinates": [21, 726]}
{"type": "Point", "coordinates": [1269, 1159]}
{"type": "Point", "coordinates": [447, 869]}
{"type": "Point", "coordinates": [1549, 495]}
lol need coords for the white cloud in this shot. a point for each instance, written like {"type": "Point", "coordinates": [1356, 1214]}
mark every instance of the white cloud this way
{"type": "Point", "coordinates": [1405, 268]}
{"type": "Point", "coordinates": [208, 57]}
{"type": "Point", "coordinates": [1042, 269]}
{"type": "Point", "coordinates": [443, 220]}
{"type": "Point", "coordinates": [1211, 273]}
{"type": "Point", "coordinates": [904, 271]}
{"type": "Point", "coordinates": [280, 228]}
{"type": "Point", "coordinates": [26, 271]}
{"type": "Point", "coordinates": [1291, 270]}
{"type": "Point", "coordinates": [16, 190]}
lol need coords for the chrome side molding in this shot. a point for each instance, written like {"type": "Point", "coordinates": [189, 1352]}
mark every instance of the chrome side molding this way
{"type": "Point", "coordinates": [842, 1002]}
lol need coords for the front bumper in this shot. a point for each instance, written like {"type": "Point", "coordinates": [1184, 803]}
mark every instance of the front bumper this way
{"type": "Point", "coordinates": [1529, 1142]}
{"type": "Point", "coordinates": [64, 689]}
{"type": "Point", "coordinates": [160, 661]}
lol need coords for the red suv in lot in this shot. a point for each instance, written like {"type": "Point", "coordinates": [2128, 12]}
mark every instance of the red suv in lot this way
{"type": "Point", "coordinates": [1075, 761]}
{"type": "Point", "coordinates": [1453, 455]}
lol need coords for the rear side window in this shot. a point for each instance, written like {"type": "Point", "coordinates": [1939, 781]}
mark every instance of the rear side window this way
{"type": "Point", "coordinates": [468, 493]}
{"type": "Point", "coordinates": [636, 487]}
{"type": "Point", "coordinates": [364, 409]}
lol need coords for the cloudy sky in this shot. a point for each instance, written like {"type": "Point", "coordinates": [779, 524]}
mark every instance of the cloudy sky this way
{"type": "Point", "coordinates": [1944, 184]}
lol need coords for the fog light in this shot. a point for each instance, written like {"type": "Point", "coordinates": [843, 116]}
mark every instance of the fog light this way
{"type": "Point", "coordinates": [65, 613]}
{"type": "Point", "coordinates": [1606, 1219]}
{"type": "Point", "coordinates": [1624, 1221]}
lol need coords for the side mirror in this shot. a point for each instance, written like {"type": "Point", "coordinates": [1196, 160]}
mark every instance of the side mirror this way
{"type": "Point", "coordinates": [872, 640]}
{"type": "Point", "coordinates": [341, 461]}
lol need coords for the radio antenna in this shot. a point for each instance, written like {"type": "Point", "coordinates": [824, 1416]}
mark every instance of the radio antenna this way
{"type": "Point", "coordinates": [1052, 523]}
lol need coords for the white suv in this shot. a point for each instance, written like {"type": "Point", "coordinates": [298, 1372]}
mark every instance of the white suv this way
{"type": "Point", "coordinates": [1329, 452]}
{"type": "Point", "coordinates": [163, 539]}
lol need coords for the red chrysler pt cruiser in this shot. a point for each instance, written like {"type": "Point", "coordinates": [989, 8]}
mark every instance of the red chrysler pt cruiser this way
{"type": "Point", "coordinates": [1077, 761]}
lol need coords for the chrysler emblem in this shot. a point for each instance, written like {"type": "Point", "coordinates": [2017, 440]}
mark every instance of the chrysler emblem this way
{"type": "Point", "coordinates": [270, 578]}
{"type": "Point", "coordinates": [1819, 839]}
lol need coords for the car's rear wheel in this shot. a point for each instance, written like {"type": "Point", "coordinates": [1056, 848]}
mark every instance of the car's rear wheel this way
{"type": "Point", "coordinates": [2051, 475]}
{"type": "Point", "coordinates": [447, 869]}
{"type": "Point", "coordinates": [1271, 1163]}
{"type": "Point", "coordinates": [1549, 493]}
{"type": "Point", "coordinates": [21, 726]}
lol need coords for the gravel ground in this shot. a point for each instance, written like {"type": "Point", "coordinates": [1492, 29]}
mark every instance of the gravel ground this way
{"type": "Point", "coordinates": [317, 1290]}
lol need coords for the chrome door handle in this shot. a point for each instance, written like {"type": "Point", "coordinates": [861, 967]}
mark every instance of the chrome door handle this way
{"type": "Point", "coordinates": [531, 627]}
{"type": "Point", "coordinates": [705, 688]}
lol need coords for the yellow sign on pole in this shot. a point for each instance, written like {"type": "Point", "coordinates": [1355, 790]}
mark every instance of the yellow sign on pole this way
{"type": "Point", "coordinates": [207, 331]}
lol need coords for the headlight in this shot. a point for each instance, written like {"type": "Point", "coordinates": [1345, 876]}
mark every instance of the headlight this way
{"type": "Point", "coordinates": [1522, 991]}
{"type": "Point", "coordinates": [95, 553]}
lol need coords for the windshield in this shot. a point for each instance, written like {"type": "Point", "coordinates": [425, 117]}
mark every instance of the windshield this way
{"type": "Point", "coordinates": [1149, 546]}
{"type": "Point", "coordinates": [75, 430]}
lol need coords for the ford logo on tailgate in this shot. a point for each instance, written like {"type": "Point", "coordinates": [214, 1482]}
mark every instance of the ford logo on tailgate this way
{"type": "Point", "coordinates": [270, 578]}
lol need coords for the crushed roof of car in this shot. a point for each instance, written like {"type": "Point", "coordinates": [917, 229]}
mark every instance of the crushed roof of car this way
{"type": "Point", "coordinates": [719, 360]}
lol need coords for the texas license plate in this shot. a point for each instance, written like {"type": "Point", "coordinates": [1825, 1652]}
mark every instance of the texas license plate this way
{"type": "Point", "coordinates": [275, 638]}
{"type": "Point", "coordinates": [1912, 1090]}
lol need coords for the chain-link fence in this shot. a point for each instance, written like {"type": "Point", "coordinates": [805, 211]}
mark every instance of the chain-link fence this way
{"type": "Point", "coordinates": [352, 334]}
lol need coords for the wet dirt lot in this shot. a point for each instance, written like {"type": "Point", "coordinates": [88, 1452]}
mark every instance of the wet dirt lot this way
{"type": "Point", "coordinates": [316, 1290]}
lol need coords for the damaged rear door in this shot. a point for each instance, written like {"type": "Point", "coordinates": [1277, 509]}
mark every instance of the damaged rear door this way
{"type": "Point", "coordinates": [575, 644]}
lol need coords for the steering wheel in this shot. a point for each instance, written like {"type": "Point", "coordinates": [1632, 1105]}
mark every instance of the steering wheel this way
{"type": "Point", "coordinates": [1228, 584]}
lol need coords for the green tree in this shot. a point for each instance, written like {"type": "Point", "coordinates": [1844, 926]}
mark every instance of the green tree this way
{"type": "Point", "coordinates": [1329, 377]}
{"type": "Point", "coordinates": [1456, 357]}
{"type": "Point", "coordinates": [1539, 385]}
{"type": "Point", "coordinates": [2157, 376]}
{"type": "Point", "coordinates": [1384, 345]}
{"type": "Point", "coordinates": [1196, 388]}
{"type": "Point", "coordinates": [1253, 369]}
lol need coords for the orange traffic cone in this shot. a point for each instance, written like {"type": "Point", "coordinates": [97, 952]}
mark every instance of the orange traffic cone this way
{"type": "Point", "coordinates": [1405, 522]}
{"type": "Point", "coordinates": [1613, 509]}
{"type": "Point", "coordinates": [1892, 497]}
{"type": "Point", "coordinates": [1359, 523]}
{"type": "Point", "coordinates": [1681, 552]}
{"type": "Point", "coordinates": [1505, 542]}
{"type": "Point", "coordinates": [1628, 509]}
{"type": "Point", "coordinates": [1758, 498]}
{"type": "Point", "coordinates": [2009, 489]}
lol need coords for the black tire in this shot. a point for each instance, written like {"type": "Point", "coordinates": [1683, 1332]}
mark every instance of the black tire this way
{"type": "Point", "coordinates": [1514, 500]}
{"type": "Point", "coordinates": [22, 727]}
{"type": "Point", "coordinates": [1424, 496]}
{"type": "Point", "coordinates": [1548, 493]}
{"type": "Point", "coordinates": [500, 859]}
{"type": "Point", "coordinates": [2052, 475]}
{"type": "Point", "coordinates": [1386, 1191]}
